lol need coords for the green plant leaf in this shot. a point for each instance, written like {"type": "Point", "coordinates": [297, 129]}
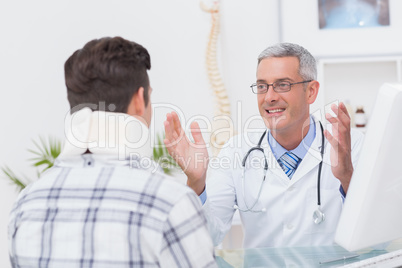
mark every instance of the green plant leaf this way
{"type": "Point", "coordinates": [34, 152]}
{"type": "Point", "coordinates": [43, 162]}
{"type": "Point", "coordinates": [41, 152]}
{"type": "Point", "coordinates": [46, 153]}
{"type": "Point", "coordinates": [13, 178]}
{"type": "Point", "coordinates": [55, 149]}
{"type": "Point", "coordinates": [46, 168]}
{"type": "Point", "coordinates": [44, 146]}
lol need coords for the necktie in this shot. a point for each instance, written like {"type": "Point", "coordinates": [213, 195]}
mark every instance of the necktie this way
{"type": "Point", "coordinates": [289, 162]}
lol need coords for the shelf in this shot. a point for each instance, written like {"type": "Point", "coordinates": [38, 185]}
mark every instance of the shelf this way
{"type": "Point", "coordinates": [355, 80]}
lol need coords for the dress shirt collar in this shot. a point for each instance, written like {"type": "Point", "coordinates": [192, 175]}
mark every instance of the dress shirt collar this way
{"type": "Point", "coordinates": [300, 150]}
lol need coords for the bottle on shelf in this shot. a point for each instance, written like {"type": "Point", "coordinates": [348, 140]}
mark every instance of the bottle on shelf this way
{"type": "Point", "coordinates": [360, 117]}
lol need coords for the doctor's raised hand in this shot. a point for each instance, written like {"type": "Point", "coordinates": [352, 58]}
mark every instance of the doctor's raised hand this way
{"type": "Point", "coordinates": [340, 140]}
{"type": "Point", "coordinates": [192, 157]}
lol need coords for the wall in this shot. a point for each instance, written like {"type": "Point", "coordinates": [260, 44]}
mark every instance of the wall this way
{"type": "Point", "coordinates": [38, 36]}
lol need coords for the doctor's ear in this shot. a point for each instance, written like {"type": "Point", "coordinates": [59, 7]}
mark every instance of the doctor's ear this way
{"type": "Point", "coordinates": [312, 91]}
{"type": "Point", "coordinates": [137, 103]}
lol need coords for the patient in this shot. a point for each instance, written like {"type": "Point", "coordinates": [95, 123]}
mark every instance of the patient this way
{"type": "Point", "coordinates": [99, 206]}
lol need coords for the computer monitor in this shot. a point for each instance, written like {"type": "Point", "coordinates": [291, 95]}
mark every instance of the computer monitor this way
{"type": "Point", "coordinates": [372, 213]}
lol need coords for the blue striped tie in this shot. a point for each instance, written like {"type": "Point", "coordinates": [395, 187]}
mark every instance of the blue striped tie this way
{"type": "Point", "coordinates": [289, 162]}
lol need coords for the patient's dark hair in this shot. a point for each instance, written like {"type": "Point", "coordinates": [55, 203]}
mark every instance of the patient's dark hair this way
{"type": "Point", "coordinates": [107, 72]}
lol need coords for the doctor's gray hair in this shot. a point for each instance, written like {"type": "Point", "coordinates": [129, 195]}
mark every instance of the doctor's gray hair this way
{"type": "Point", "coordinates": [307, 63]}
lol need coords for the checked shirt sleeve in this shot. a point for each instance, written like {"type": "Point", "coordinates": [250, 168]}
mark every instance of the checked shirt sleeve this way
{"type": "Point", "coordinates": [186, 240]}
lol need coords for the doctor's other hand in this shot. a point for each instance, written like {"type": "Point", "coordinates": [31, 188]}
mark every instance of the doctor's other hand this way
{"type": "Point", "coordinates": [340, 140]}
{"type": "Point", "coordinates": [192, 157]}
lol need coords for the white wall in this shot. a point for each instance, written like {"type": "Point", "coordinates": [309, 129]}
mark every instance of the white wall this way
{"type": "Point", "coordinates": [38, 36]}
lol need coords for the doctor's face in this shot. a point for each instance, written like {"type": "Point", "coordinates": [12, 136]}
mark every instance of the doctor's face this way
{"type": "Point", "coordinates": [284, 113]}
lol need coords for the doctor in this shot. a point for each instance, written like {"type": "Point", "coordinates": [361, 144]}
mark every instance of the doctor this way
{"type": "Point", "coordinates": [292, 178]}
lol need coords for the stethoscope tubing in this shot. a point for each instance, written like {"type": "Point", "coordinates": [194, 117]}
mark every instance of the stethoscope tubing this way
{"type": "Point", "coordinates": [258, 147]}
{"type": "Point", "coordinates": [321, 216]}
{"type": "Point", "coordinates": [320, 167]}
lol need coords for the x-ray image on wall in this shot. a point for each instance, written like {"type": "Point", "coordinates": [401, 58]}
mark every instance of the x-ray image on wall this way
{"type": "Point", "coordinates": [335, 14]}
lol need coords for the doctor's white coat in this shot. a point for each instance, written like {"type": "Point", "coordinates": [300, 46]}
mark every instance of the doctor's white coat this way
{"type": "Point", "coordinates": [289, 204]}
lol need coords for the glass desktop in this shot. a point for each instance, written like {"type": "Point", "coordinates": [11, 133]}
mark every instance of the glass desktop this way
{"type": "Point", "coordinates": [297, 256]}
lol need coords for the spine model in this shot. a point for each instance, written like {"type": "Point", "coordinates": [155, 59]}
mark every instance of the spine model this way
{"type": "Point", "coordinates": [222, 126]}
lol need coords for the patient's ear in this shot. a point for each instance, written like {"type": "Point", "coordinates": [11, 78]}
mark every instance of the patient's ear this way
{"type": "Point", "coordinates": [137, 103]}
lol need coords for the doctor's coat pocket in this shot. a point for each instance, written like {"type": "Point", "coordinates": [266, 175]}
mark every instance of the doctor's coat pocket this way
{"type": "Point", "coordinates": [331, 206]}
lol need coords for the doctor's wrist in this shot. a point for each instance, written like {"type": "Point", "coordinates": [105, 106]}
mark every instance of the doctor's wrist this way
{"type": "Point", "coordinates": [345, 179]}
{"type": "Point", "coordinates": [198, 186]}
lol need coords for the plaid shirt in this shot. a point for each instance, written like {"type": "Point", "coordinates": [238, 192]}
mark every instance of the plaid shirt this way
{"type": "Point", "coordinates": [93, 211]}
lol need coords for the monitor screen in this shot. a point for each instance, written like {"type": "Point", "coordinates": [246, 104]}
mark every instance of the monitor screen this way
{"type": "Point", "coordinates": [372, 213]}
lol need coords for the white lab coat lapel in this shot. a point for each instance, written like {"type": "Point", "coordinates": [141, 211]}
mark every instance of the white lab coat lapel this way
{"type": "Point", "coordinates": [312, 158]}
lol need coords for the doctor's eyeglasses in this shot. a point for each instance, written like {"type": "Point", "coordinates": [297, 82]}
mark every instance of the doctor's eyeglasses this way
{"type": "Point", "coordinates": [279, 87]}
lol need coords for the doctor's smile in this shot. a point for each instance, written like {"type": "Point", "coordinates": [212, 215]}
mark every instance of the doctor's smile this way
{"type": "Point", "coordinates": [275, 111]}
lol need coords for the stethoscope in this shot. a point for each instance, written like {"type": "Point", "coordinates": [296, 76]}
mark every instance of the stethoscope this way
{"type": "Point", "coordinates": [318, 215]}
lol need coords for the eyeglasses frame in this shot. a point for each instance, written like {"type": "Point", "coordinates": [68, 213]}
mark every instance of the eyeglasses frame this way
{"type": "Point", "coordinates": [272, 85]}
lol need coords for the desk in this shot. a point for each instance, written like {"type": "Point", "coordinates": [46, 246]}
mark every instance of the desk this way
{"type": "Point", "coordinates": [295, 256]}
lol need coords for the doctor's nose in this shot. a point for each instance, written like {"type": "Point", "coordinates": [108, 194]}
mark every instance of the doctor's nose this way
{"type": "Point", "coordinates": [271, 95]}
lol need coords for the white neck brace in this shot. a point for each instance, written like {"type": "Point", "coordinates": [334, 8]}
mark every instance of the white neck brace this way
{"type": "Point", "coordinates": [105, 133]}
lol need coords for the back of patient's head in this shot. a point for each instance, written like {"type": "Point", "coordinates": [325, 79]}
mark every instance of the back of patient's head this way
{"type": "Point", "coordinates": [106, 73]}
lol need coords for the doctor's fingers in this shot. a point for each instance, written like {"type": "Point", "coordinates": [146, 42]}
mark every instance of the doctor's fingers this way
{"type": "Point", "coordinates": [333, 141]}
{"type": "Point", "coordinates": [168, 135]}
{"type": "Point", "coordinates": [345, 119]}
{"type": "Point", "coordinates": [338, 125]}
{"type": "Point", "coordinates": [339, 145]}
{"type": "Point", "coordinates": [334, 124]}
{"type": "Point", "coordinates": [168, 128]}
{"type": "Point", "coordinates": [175, 128]}
{"type": "Point", "coordinates": [197, 134]}
{"type": "Point", "coordinates": [330, 138]}
{"type": "Point", "coordinates": [176, 124]}
{"type": "Point", "coordinates": [343, 124]}
{"type": "Point", "coordinates": [342, 114]}
{"type": "Point", "coordinates": [171, 138]}
{"type": "Point", "coordinates": [341, 135]}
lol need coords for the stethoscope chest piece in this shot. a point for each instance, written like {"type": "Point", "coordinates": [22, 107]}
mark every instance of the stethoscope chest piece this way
{"type": "Point", "coordinates": [318, 216]}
